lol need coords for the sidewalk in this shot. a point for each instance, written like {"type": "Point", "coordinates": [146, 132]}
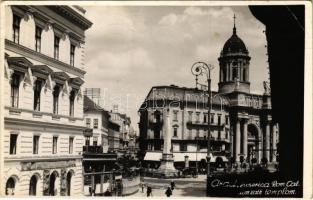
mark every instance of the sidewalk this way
{"type": "Point", "coordinates": [192, 187]}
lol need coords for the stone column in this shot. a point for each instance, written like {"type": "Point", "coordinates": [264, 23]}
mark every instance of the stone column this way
{"type": "Point", "coordinates": [274, 138]}
{"type": "Point", "coordinates": [102, 180]}
{"type": "Point", "coordinates": [231, 133]}
{"type": "Point", "coordinates": [238, 141]}
{"type": "Point", "coordinates": [168, 134]}
{"type": "Point", "coordinates": [186, 161]}
{"type": "Point", "coordinates": [245, 138]}
{"type": "Point", "coordinates": [267, 141]}
{"type": "Point", "coordinates": [93, 183]}
{"type": "Point", "coordinates": [260, 147]}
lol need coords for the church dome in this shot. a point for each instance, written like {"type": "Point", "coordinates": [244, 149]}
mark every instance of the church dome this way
{"type": "Point", "coordinates": [234, 45]}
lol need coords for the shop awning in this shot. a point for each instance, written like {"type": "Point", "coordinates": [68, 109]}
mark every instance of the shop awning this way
{"type": "Point", "coordinates": [153, 156]}
{"type": "Point", "coordinates": [180, 157]}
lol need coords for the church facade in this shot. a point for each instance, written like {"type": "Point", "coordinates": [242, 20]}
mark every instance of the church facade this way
{"type": "Point", "coordinates": [240, 121]}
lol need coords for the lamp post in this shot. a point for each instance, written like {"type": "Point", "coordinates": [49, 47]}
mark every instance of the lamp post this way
{"type": "Point", "coordinates": [199, 69]}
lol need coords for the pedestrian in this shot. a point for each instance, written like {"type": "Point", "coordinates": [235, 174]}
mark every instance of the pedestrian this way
{"type": "Point", "coordinates": [168, 192]}
{"type": "Point", "coordinates": [142, 187]}
{"type": "Point", "coordinates": [107, 193]}
{"type": "Point", "coordinates": [149, 191]}
{"type": "Point", "coordinates": [172, 185]}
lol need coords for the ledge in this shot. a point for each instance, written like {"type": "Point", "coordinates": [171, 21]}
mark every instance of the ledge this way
{"type": "Point", "coordinates": [41, 158]}
{"type": "Point", "coordinates": [47, 60]}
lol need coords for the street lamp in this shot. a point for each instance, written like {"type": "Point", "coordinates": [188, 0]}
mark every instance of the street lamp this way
{"type": "Point", "coordinates": [199, 69]}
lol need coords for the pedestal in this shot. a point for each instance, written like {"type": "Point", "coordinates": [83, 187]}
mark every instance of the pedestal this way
{"type": "Point", "coordinates": [167, 169]}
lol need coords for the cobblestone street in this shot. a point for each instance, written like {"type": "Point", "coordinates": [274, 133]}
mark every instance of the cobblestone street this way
{"type": "Point", "coordinates": [195, 187]}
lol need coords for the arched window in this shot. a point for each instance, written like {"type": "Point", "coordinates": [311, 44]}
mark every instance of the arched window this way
{"type": "Point", "coordinates": [52, 189]}
{"type": "Point", "coordinates": [33, 186]}
{"type": "Point", "coordinates": [234, 73]}
{"type": "Point", "coordinates": [68, 183]}
{"type": "Point", "coordinates": [10, 186]}
{"type": "Point", "coordinates": [224, 74]}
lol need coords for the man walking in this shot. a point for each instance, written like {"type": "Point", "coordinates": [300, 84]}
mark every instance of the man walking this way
{"type": "Point", "coordinates": [172, 185]}
{"type": "Point", "coordinates": [149, 191]}
{"type": "Point", "coordinates": [168, 192]}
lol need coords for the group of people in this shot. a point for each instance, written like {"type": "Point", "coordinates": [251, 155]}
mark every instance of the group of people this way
{"type": "Point", "coordinates": [168, 192]}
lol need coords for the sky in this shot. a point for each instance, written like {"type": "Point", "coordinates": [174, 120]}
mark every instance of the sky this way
{"type": "Point", "coordinates": [130, 49]}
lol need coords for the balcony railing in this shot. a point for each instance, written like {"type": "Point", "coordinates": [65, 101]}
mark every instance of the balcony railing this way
{"type": "Point", "coordinates": [93, 149]}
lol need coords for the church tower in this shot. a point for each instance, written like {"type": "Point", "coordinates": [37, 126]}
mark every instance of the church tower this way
{"type": "Point", "coordinates": [234, 63]}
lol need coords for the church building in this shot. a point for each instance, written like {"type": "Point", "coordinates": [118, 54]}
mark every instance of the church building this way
{"type": "Point", "coordinates": [240, 121]}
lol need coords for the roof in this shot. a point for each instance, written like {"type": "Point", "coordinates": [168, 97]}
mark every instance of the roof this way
{"type": "Point", "coordinates": [89, 105]}
{"type": "Point", "coordinates": [176, 93]}
{"type": "Point", "coordinates": [234, 45]}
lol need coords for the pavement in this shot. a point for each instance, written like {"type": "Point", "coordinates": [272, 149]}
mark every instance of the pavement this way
{"type": "Point", "coordinates": [184, 187]}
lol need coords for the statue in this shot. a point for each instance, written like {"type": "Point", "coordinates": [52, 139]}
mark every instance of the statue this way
{"type": "Point", "coordinates": [267, 89]}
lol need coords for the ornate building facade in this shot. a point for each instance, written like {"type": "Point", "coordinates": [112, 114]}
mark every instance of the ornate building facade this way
{"type": "Point", "coordinates": [43, 114]}
{"type": "Point", "coordinates": [241, 124]}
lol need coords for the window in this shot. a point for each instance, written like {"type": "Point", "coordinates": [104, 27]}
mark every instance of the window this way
{"type": "Point", "coordinates": [226, 134]}
{"type": "Point", "coordinates": [198, 117]}
{"type": "Point", "coordinates": [35, 144]}
{"type": "Point", "coordinates": [15, 83]}
{"type": "Point", "coordinates": [38, 39]}
{"type": "Point", "coordinates": [56, 92]}
{"type": "Point", "coordinates": [55, 145]}
{"type": "Point", "coordinates": [13, 140]}
{"type": "Point", "coordinates": [72, 56]}
{"type": "Point", "coordinates": [219, 135]}
{"type": "Point", "coordinates": [16, 28]}
{"type": "Point", "coordinates": [88, 122]}
{"type": "Point", "coordinates": [234, 73]}
{"type": "Point", "coordinates": [219, 119]}
{"type": "Point", "coordinates": [37, 91]}
{"type": "Point", "coordinates": [212, 118]}
{"type": "Point", "coordinates": [244, 75]}
{"type": "Point", "coordinates": [56, 47]}
{"type": "Point", "coordinates": [95, 141]}
{"type": "Point", "coordinates": [10, 187]}
{"type": "Point", "coordinates": [87, 141]}
{"type": "Point", "coordinates": [175, 116]}
{"type": "Point", "coordinates": [204, 118]}
{"type": "Point", "coordinates": [33, 186]}
{"type": "Point", "coordinates": [190, 116]}
{"type": "Point", "coordinates": [72, 98]}
{"type": "Point", "coordinates": [175, 131]}
{"type": "Point", "coordinates": [183, 147]}
{"type": "Point", "coordinates": [226, 120]}
{"type": "Point", "coordinates": [70, 145]}
{"type": "Point", "coordinates": [95, 123]}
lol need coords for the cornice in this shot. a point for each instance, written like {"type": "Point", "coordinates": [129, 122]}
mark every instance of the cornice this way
{"type": "Point", "coordinates": [53, 158]}
{"type": "Point", "coordinates": [9, 120]}
{"type": "Point", "coordinates": [29, 53]}
{"type": "Point", "coordinates": [73, 15]}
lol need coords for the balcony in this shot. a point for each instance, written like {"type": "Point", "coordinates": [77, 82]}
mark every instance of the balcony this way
{"type": "Point", "coordinates": [92, 149]}
{"type": "Point", "coordinates": [205, 125]}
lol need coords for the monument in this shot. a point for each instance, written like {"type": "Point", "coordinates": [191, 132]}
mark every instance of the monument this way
{"type": "Point", "coordinates": [167, 169]}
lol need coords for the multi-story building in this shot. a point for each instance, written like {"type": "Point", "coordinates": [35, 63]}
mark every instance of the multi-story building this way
{"type": "Point", "coordinates": [43, 114]}
{"type": "Point", "coordinates": [240, 121]}
{"type": "Point", "coordinates": [97, 162]}
{"type": "Point", "coordinates": [120, 128]}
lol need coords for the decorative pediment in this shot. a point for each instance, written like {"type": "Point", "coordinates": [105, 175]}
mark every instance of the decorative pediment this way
{"type": "Point", "coordinates": [41, 71]}
{"type": "Point", "coordinates": [60, 77]}
{"type": "Point", "coordinates": [76, 82]}
{"type": "Point", "coordinates": [20, 64]}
